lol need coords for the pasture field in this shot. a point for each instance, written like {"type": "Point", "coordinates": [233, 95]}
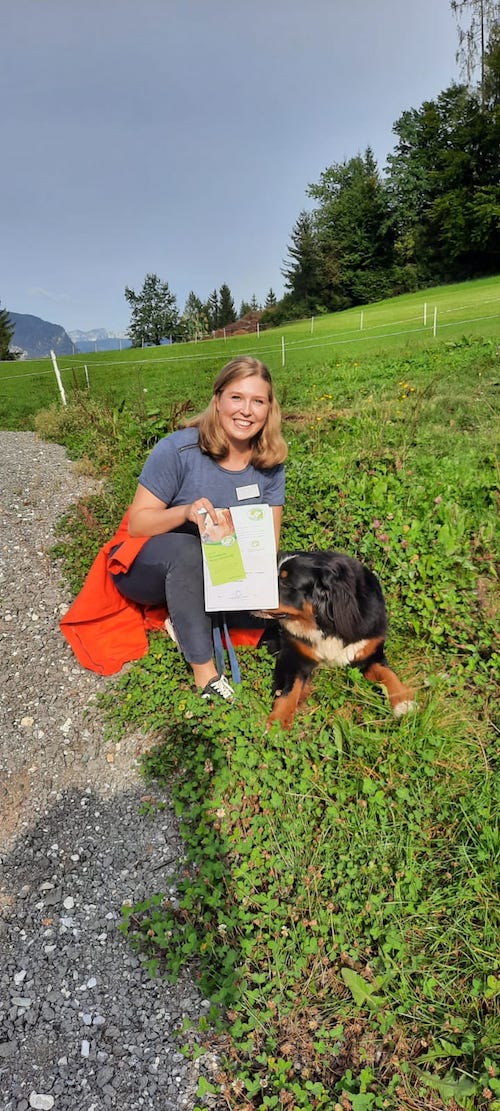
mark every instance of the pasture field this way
{"type": "Point", "coordinates": [339, 897]}
{"type": "Point", "coordinates": [397, 325]}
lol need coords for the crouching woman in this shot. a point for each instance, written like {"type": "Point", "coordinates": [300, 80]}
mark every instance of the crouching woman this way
{"type": "Point", "coordinates": [232, 453]}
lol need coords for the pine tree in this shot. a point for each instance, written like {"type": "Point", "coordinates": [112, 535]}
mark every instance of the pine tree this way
{"type": "Point", "coordinates": [270, 299]}
{"type": "Point", "coordinates": [227, 311]}
{"type": "Point", "coordinates": [302, 270]}
{"type": "Point", "coordinates": [212, 310]}
{"type": "Point", "coordinates": [6, 333]}
{"type": "Point", "coordinates": [354, 237]}
{"type": "Point", "coordinates": [443, 179]}
{"type": "Point", "coordinates": [194, 318]}
{"type": "Point", "coordinates": [154, 312]}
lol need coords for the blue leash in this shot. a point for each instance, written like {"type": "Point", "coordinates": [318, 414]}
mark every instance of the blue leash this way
{"type": "Point", "coordinates": [219, 650]}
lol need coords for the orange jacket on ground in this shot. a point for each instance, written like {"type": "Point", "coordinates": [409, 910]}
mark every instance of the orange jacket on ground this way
{"type": "Point", "coordinates": [106, 630]}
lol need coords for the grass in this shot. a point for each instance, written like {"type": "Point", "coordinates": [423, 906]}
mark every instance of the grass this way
{"type": "Point", "coordinates": [156, 377]}
{"type": "Point", "coordinates": [338, 901]}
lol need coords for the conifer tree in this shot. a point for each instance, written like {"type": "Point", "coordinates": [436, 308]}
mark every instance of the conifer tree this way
{"type": "Point", "coordinates": [154, 312]}
{"type": "Point", "coordinates": [227, 311]}
{"type": "Point", "coordinates": [6, 333]}
{"type": "Point", "coordinates": [302, 269]}
{"type": "Point", "coordinates": [194, 318]}
{"type": "Point", "coordinates": [212, 310]}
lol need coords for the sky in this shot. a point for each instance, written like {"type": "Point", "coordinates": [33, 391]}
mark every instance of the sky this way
{"type": "Point", "coordinates": [179, 137]}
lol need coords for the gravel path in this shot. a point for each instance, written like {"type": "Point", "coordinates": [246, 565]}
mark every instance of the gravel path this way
{"type": "Point", "coordinates": [82, 1027]}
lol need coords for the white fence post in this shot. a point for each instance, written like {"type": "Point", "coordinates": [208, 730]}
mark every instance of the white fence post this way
{"type": "Point", "coordinates": [58, 377]}
{"type": "Point", "coordinates": [312, 324]}
{"type": "Point", "coordinates": [87, 376]}
{"type": "Point", "coordinates": [282, 350]}
{"type": "Point", "coordinates": [425, 315]}
{"type": "Point", "coordinates": [361, 321]}
{"type": "Point", "coordinates": [435, 320]}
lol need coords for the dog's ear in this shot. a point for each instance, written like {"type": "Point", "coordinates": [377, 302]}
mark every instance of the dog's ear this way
{"type": "Point", "coordinates": [335, 602]}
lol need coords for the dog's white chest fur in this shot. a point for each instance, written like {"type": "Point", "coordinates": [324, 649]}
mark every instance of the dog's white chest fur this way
{"type": "Point", "coordinates": [328, 650]}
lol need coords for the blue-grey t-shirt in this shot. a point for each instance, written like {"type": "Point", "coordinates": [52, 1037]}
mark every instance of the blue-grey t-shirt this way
{"type": "Point", "coordinates": [178, 472]}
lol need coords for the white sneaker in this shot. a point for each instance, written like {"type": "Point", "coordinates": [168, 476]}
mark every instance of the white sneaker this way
{"type": "Point", "coordinates": [171, 631]}
{"type": "Point", "coordinates": [218, 686]}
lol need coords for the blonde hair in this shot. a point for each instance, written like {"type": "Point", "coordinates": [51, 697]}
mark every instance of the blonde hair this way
{"type": "Point", "coordinates": [268, 446]}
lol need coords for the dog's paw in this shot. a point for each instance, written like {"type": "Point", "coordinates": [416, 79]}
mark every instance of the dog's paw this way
{"type": "Point", "coordinates": [405, 707]}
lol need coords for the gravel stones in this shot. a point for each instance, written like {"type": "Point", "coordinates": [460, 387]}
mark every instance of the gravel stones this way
{"type": "Point", "coordinates": [43, 1103]}
{"type": "Point", "coordinates": [82, 1026]}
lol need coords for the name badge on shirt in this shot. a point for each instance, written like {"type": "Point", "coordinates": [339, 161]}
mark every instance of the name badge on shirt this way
{"type": "Point", "coordinates": [243, 492]}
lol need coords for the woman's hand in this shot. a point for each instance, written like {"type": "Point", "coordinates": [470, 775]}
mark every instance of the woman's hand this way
{"type": "Point", "coordinates": [199, 509]}
{"type": "Point", "coordinates": [150, 517]}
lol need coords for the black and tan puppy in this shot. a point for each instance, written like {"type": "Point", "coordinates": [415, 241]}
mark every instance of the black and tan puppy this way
{"type": "Point", "coordinates": [331, 612]}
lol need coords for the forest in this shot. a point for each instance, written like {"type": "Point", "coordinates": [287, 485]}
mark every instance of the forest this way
{"type": "Point", "coordinates": [432, 216]}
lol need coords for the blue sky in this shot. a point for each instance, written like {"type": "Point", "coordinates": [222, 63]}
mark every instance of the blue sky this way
{"type": "Point", "coordinates": [179, 136]}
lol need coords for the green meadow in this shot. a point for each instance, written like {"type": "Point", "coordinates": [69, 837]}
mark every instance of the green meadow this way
{"type": "Point", "coordinates": [400, 325]}
{"type": "Point", "coordinates": [338, 901]}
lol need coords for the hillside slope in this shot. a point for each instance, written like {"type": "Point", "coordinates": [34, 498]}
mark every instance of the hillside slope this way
{"type": "Point", "coordinates": [37, 337]}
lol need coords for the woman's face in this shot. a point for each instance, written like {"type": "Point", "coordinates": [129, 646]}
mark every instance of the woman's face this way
{"type": "Point", "coordinates": [243, 407]}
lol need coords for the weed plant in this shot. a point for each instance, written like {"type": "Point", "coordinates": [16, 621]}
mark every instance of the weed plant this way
{"type": "Point", "coordinates": [339, 897]}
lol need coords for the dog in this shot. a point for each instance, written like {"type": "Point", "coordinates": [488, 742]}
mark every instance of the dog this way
{"type": "Point", "coordinates": [331, 612]}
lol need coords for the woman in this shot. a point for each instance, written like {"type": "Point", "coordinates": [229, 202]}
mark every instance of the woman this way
{"type": "Point", "coordinates": [231, 453]}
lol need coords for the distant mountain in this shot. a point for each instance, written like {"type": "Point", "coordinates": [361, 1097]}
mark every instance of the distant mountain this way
{"type": "Point", "coordinates": [36, 337]}
{"type": "Point", "coordinates": [95, 333]}
{"type": "Point", "coordinates": [99, 339]}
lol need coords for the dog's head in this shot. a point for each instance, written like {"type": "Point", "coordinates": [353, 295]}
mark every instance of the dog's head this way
{"type": "Point", "coordinates": [323, 587]}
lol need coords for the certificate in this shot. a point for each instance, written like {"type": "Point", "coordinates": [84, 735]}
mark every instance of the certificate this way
{"type": "Point", "coordinates": [239, 559]}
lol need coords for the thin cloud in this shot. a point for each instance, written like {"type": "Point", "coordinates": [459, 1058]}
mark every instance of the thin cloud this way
{"type": "Point", "coordinates": [37, 291]}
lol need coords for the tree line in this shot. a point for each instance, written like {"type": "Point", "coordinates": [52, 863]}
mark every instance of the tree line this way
{"type": "Point", "coordinates": [432, 216]}
{"type": "Point", "coordinates": [155, 315]}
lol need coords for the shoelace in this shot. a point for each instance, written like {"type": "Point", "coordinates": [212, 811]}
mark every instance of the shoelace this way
{"type": "Point", "coordinates": [221, 686]}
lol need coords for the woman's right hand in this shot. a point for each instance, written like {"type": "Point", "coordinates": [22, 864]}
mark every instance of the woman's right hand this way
{"type": "Point", "coordinates": [199, 509]}
{"type": "Point", "coordinates": [149, 516]}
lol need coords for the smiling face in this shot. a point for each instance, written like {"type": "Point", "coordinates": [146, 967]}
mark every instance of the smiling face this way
{"type": "Point", "coordinates": [243, 407]}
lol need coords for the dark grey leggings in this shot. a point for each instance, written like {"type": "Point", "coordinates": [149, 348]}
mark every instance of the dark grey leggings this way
{"type": "Point", "coordinates": [169, 569]}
